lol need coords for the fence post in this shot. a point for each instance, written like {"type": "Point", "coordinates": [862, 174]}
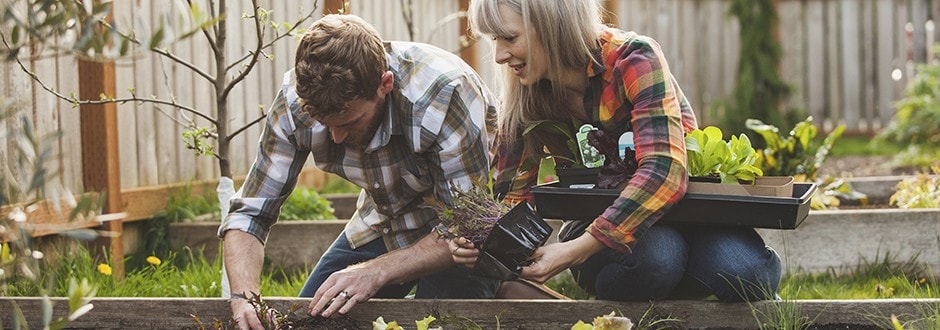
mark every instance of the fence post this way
{"type": "Point", "coordinates": [469, 52]}
{"type": "Point", "coordinates": [335, 6]}
{"type": "Point", "coordinates": [610, 17]}
{"type": "Point", "coordinates": [100, 162]}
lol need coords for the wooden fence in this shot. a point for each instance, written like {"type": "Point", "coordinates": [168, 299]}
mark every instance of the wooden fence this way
{"type": "Point", "coordinates": [847, 60]}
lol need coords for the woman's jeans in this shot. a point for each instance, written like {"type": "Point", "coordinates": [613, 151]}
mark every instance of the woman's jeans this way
{"type": "Point", "coordinates": [456, 282]}
{"type": "Point", "coordinates": [685, 262]}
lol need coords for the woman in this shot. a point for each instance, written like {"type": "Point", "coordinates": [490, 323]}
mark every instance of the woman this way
{"type": "Point", "coordinates": [562, 64]}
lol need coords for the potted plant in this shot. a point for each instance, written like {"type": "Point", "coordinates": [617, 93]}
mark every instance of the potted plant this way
{"type": "Point", "coordinates": [506, 236]}
{"type": "Point", "coordinates": [598, 159]}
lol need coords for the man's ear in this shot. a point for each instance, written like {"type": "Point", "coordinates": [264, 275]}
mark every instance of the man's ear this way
{"type": "Point", "coordinates": [388, 82]}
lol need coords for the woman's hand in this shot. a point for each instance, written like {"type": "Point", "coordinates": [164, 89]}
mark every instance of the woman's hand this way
{"type": "Point", "coordinates": [552, 259]}
{"type": "Point", "coordinates": [463, 251]}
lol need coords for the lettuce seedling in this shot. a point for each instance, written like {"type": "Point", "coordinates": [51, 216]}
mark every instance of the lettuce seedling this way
{"type": "Point", "coordinates": [709, 155]}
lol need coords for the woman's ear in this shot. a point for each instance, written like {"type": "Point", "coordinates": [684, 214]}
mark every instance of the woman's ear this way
{"type": "Point", "coordinates": [388, 82]}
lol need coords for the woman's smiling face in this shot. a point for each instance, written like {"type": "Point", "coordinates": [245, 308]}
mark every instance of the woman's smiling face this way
{"type": "Point", "coordinates": [519, 49]}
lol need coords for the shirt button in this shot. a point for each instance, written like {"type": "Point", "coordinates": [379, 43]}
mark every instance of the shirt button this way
{"type": "Point", "coordinates": [385, 230]}
{"type": "Point", "coordinates": [376, 185]}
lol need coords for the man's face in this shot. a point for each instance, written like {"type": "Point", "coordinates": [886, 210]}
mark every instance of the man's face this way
{"type": "Point", "coordinates": [357, 125]}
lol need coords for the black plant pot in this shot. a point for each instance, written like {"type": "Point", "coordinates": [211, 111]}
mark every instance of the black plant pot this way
{"type": "Point", "coordinates": [512, 241]}
{"type": "Point", "coordinates": [576, 176]}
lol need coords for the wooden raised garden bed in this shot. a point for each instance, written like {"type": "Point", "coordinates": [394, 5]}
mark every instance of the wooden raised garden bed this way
{"type": "Point", "coordinates": [177, 313]}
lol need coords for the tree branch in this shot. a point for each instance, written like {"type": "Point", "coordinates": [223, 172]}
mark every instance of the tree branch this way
{"type": "Point", "coordinates": [162, 52]}
{"type": "Point", "coordinates": [254, 54]}
{"type": "Point", "coordinates": [205, 32]}
{"type": "Point", "coordinates": [243, 128]}
{"type": "Point", "coordinates": [278, 37]}
{"type": "Point", "coordinates": [73, 100]}
{"type": "Point", "coordinates": [183, 62]}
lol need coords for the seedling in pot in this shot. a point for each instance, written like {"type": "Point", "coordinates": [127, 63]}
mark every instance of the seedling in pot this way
{"type": "Point", "coordinates": [506, 237]}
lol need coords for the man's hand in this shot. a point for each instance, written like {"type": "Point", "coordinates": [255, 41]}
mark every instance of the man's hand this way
{"type": "Point", "coordinates": [244, 314]}
{"type": "Point", "coordinates": [463, 251]}
{"type": "Point", "coordinates": [243, 255]}
{"type": "Point", "coordinates": [357, 283]}
{"type": "Point", "coordinates": [346, 288]}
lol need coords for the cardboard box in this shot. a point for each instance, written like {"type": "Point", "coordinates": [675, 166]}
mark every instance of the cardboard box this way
{"type": "Point", "coordinates": [770, 186]}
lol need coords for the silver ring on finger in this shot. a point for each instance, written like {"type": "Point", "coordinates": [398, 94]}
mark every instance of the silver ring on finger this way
{"type": "Point", "coordinates": [343, 295]}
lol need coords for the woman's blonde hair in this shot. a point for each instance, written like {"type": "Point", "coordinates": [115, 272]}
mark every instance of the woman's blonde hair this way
{"type": "Point", "coordinates": [339, 59]}
{"type": "Point", "coordinates": [567, 30]}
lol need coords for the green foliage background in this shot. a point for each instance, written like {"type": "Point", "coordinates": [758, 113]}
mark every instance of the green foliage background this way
{"type": "Point", "coordinates": [759, 91]}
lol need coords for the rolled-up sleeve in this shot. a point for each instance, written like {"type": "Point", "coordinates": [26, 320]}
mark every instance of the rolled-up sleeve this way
{"type": "Point", "coordinates": [272, 176]}
{"type": "Point", "coordinates": [642, 79]}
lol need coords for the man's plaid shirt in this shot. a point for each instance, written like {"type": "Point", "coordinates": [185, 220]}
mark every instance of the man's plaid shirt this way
{"type": "Point", "coordinates": [437, 131]}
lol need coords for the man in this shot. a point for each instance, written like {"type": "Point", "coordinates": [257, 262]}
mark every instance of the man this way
{"type": "Point", "coordinates": [404, 121]}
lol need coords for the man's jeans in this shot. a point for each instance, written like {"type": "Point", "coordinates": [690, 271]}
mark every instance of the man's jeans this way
{"type": "Point", "coordinates": [457, 282]}
{"type": "Point", "coordinates": [685, 262]}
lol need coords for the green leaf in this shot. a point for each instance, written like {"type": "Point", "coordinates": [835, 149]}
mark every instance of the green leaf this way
{"type": "Point", "coordinates": [15, 35]}
{"type": "Point", "coordinates": [425, 323]}
{"type": "Point", "coordinates": [582, 326]}
{"type": "Point", "coordinates": [157, 38]}
{"type": "Point", "coordinates": [19, 320]}
{"type": "Point", "coordinates": [551, 126]}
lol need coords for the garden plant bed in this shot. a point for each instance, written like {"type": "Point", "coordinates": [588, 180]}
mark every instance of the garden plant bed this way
{"type": "Point", "coordinates": [172, 313]}
{"type": "Point", "coordinates": [828, 238]}
{"type": "Point", "coordinates": [842, 238]}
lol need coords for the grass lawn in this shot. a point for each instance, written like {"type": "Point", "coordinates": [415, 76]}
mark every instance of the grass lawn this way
{"type": "Point", "coordinates": [862, 145]}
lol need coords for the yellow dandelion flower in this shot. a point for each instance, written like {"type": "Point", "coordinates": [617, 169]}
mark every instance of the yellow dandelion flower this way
{"type": "Point", "coordinates": [153, 260]}
{"type": "Point", "coordinates": [104, 269]}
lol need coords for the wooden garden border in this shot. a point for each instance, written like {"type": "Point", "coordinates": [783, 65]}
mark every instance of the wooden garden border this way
{"type": "Point", "coordinates": [177, 313]}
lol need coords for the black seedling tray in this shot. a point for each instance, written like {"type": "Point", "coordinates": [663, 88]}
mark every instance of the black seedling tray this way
{"type": "Point", "coordinates": [557, 202]}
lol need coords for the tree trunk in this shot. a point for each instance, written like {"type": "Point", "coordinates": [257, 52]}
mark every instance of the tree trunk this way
{"type": "Point", "coordinates": [221, 101]}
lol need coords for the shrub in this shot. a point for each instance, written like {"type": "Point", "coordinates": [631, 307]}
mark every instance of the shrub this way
{"type": "Point", "coordinates": [306, 204]}
{"type": "Point", "coordinates": [922, 191]}
{"type": "Point", "coordinates": [799, 153]}
{"type": "Point", "coordinates": [917, 120]}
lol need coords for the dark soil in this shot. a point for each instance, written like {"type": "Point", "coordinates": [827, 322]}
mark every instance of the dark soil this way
{"type": "Point", "coordinates": [843, 326]}
{"type": "Point", "coordinates": [342, 322]}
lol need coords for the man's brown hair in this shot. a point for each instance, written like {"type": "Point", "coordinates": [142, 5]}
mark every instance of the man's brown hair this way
{"type": "Point", "coordinates": [339, 59]}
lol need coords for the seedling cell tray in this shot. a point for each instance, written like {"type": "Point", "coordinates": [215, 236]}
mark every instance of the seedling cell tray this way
{"type": "Point", "coordinates": [560, 202]}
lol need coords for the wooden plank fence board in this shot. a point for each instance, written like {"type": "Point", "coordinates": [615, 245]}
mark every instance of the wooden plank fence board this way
{"type": "Point", "coordinates": [127, 112]}
{"type": "Point", "coordinates": [919, 17]}
{"type": "Point", "coordinates": [699, 40]}
{"type": "Point", "coordinates": [683, 68]}
{"type": "Point", "coordinates": [850, 63]}
{"type": "Point", "coordinates": [869, 76]}
{"type": "Point", "coordinates": [791, 35]}
{"type": "Point", "coordinates": [145, 82]}
{"type": "Point", "coordinates": [167, 140]}
{"type": "Point", "coordinates": [714, 73]}
{"type": "Point", "coordinates": [183, 82]}
{"type": "Point", "coordinates": [731, 54]}
{"type": "Point", "coordinates": [889, 60]}
{"type": "Point", "coordinates": [815, 74]}
{"type": "Point", "coordinates": [832, 64]}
